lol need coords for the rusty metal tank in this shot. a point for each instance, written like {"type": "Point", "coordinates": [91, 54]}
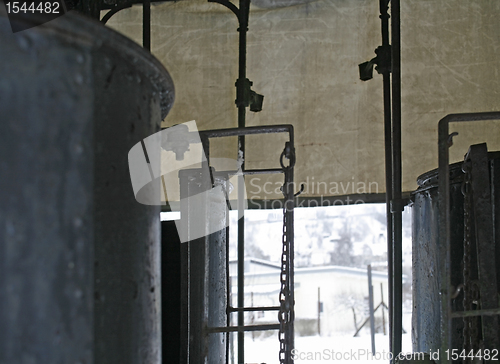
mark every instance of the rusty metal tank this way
{"type": "Point", "coordinates": [79, 257]}
{"type": "Point", "coordinates": [426, 330]}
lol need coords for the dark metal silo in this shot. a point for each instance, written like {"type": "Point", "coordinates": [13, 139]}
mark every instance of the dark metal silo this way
{"type": "Point", "coordinates": [427, 326]}
{"type": "Point", "coordinates": [79, 257]}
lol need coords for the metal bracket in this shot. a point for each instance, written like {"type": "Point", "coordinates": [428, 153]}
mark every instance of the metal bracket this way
{"type": "Point", "coordinates": [245, 96]}
{"type": "Point", "coordinates": [398, 205]}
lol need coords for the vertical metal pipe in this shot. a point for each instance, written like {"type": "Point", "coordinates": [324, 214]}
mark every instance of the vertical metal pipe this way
{"type": "Point", "coordinates": [372, 312]}
{"type": "Point", "coordinates": [244, 10]}
{"type": "Point", "coordinates": [444, 234]}
{"type": "Point", "coordinates": [397, 299]}
{"type": "Point", "coordinates": [241, 271]}
{"type": "Point", "coordinates": [290, 204]}
{"type": "Point", "coordinates": [386, 74]}
{"type": "Point", "coordinates": [146, 25]}
{"type": "Point", "coordinates": [228, 289]}
{"type": "Point", "coordinates": [382, 301]}
{"type": "Point", "coordinates": [319, 312]}
{"type": "Point", "coordinates": [388, 191]}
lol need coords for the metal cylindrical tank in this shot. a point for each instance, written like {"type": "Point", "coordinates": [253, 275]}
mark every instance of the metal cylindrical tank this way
{"type": "Point", "coordinates": [426, 320]}
{"type": "Point", "coordinates": [79, 257]}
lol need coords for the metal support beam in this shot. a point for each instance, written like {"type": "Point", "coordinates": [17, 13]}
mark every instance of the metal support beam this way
{"type": "Point", "coordinates": [244, 11]}
{"type": "Point", "coordinates": [396, 205]}
{"type": "Point", "coordinates": [387, 61]}
{"type": "Point", "coordinates": [146, 25]}
{"type": "Point", "coordinates": [372, 311]}
{"type": "Point", "coordinates": [485, 241]}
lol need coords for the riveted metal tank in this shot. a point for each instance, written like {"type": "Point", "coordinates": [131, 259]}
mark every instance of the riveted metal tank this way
{"type": "Point", "coordinates": [79, 257]}
{"type": "Point", "coordinates": [426, 329]}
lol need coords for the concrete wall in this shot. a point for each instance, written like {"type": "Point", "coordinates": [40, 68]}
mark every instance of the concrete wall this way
{"type": "Point", "coordinates": [303, 57]}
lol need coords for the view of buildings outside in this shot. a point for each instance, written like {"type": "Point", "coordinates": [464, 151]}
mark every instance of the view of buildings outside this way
{"type": "Point", "coordinates": [333, 247]}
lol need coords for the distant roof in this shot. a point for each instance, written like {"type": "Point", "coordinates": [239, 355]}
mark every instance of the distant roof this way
{"type": "Point", "coordinates": [324, 268]}
{"type": "Point", "coordinates": [258, 261]}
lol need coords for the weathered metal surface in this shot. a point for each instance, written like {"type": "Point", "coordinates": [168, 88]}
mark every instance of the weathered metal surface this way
{"type": "Point", "coordinates": [203, 270]}
{"type": "Point", "coordinates": [495, 195]}
{"type": "Point", "coordinates": [428, 250]}
{"type": "Point", "coordinates": [46, 199]}
{"type": "Point", "coordinates": [485, 243]}
{"type": "Point", "coordinates": [137, 93]}
{"type": "Point", "coordinates": [217, 279]}
{"type": "Point", "coordinates": [426, 331]}
{"type": "Point", "coordinates": [79, 257]}
{"type": "Point", "coordinates": [444, 233]}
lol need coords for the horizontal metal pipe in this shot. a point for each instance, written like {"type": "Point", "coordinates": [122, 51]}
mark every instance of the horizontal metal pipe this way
{"type": "Point", "coordinates": [475, 116]}
{"type": "Point", "coordinates": [249, 130]}
{"type": "Point", "coordinates": [253, 171]}
{"type": "Point", "coordinates": [212, 330]}
{"type": "Point", "coordinates": [263, 308]}
{"type": "Point", "coordinates": [263, 171]}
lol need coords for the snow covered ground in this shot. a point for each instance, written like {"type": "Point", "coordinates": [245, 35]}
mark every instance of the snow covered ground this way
{"type": "Point", "coordinates": [322, 350]}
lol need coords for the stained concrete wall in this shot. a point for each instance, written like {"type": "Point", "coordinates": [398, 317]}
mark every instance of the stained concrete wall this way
{"type": "Point", "coordinates": [303, 57]}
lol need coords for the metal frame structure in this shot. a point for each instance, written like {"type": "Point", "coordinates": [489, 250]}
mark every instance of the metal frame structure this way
{"type": "Point", "coordinates": [388, 61]}
{"type": "Point", "coordinates": [447, 291]}
{"type": "Point", "coordinates": [286, 297]}
{"type": "Point", "coordinates": [286, 308]}
{"type": "Point", "coordinates": [245, 97]}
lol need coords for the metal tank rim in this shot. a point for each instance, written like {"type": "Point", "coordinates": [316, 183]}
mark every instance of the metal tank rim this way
{"type": "Point", "coordinates": [83, 30]}
{"type": "Point", "coordinates": [429, 180]}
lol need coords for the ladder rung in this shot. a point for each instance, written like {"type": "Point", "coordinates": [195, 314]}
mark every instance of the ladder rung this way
{"type": "Point", "coordinates": [244, 328]}
{"type": "Point", "coordinates": [264, 308]}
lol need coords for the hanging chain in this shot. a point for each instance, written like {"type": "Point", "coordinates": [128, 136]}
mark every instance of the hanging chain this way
{"type": "Point", "coordinates": [470, 332]}
{"type": "Point", "coordinates": [284, 298]}
{"type": "Point", "coordinates": [285, 312]}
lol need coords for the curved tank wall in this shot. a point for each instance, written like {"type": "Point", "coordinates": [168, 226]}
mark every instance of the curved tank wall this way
{"type": "Point", "coordinates": [79, 257]}
{"type": "Point", "coordinates": [426, 332]}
